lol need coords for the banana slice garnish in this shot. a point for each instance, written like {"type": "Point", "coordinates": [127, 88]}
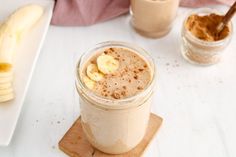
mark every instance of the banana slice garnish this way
{"type": "Point", "coordinates": [88, 82]}
{"type": "Point", "coordinates": [107, 64]}
{"type": "Point", "coordinates": [93, 73]}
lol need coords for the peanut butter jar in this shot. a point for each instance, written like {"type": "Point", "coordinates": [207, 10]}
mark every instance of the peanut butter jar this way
{"type": "Point", "coordinates": [153, 18]}
{"type": "Point", "coordinates": [114, 126]}
{"type": "Point", "coordinates": [200, 44]}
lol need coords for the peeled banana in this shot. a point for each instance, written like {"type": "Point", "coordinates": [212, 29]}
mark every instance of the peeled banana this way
{"type": "Point", "coordinates": [11, 31]}
{"type": "Point", "coordinates": [7, 48]}
{"type": "Point", "coordinates": [24, 18]}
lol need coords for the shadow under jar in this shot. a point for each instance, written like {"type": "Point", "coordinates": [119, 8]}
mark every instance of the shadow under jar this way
{"type": "Point", "coordinates": [114, 126]}
{"type": "Point", "coordinates": [200, 51]}
{"type": "Point", "coordinates": [153, 18]}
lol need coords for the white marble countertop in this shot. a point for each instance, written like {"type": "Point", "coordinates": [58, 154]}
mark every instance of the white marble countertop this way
{"type": "Point", "coordinates": [198, 104]}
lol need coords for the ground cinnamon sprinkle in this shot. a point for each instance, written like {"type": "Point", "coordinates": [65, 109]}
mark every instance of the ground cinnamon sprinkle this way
{"type": "Point", "coordinates": [116, 95]}
{"type": "Point", "coordinates": [204, 27]}
{"type": "Point", "coordinates": [140, 70]}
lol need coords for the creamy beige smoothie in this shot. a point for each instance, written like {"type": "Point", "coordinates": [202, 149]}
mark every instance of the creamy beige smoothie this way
{"type": "Point", "coordinates": [153, 18]}
{"type": "Point", "coordinates": [115, 96]}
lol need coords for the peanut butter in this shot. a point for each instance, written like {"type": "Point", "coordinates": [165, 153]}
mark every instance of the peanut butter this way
{"type": "Point", "coordinates": [204, 27]}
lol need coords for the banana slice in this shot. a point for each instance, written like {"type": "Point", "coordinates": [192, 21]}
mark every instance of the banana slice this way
{"type": "Point", "coordinates": [7, 97]}
{"type": "Point", "coordinates": [5, 85]}
{"type": "Point", "coordinates": [107, 64]}
{"type": "Point", "coordinates": [11, 31]}
{"type": "Point", "coordinates": [6, 79]}
{"type": "Point", "coordinates": [6, 91]}
{"type": "Point", "coordinates": [6, 73]}
{"type": "Point", "coordinates": [93, 73]}
{"type": "Point", "coordinates": [88, 82]}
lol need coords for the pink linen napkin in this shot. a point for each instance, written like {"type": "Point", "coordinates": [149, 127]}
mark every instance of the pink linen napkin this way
{"type": "Point", "coordinates": [199, 3]}
{"type": "Point", "coordinates": [88, 12]}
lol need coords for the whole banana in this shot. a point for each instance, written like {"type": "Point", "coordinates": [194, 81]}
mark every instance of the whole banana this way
{"type": "Point", "coordinates": [11, 31]}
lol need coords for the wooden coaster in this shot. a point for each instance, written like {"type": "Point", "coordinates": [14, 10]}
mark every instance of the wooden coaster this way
{"type": "Point", "coordinates": [75, 144]}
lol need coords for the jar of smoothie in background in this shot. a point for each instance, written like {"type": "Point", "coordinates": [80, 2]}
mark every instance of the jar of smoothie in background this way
{"type": "Point", "coordinates": [201, 52]}
{"type": "Point", "coordinates": [153, 18]}
{"type": "Point", "coordinates": [114, 126]}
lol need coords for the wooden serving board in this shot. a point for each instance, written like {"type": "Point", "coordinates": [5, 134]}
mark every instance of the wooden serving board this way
{"type": "Point", "coordinates": [75, 144]}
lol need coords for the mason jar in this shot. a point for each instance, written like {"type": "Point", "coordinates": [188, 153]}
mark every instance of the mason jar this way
{"type": "Point", "coordinates": [114, 126]}
{"type": "Point", "coordinates": [199, 51]}
{"type": "Point", "coordinates": [153, 18]}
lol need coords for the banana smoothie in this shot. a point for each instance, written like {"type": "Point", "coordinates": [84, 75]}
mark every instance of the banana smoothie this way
{"type": "Point", "coordinates": [115, 84]}
{"type": "Point", "coordinates": [153, 18]}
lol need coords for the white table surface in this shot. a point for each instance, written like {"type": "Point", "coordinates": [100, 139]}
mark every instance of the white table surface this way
{"type": "Point", "coordinates": [198, 104]}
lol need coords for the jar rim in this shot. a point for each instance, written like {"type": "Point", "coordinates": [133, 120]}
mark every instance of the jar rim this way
{"type": "Point", "coordinates": [118, 103]}
{"type": "Point", "coordinates": [208, 43]}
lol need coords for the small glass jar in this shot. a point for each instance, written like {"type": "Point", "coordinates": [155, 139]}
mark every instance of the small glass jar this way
{"type": "Point", "coordinates": [202, 52]}
{"type": "Point", "coordinates": [114, 126]}
{"type": "Point", "coordinates": [153, 18]}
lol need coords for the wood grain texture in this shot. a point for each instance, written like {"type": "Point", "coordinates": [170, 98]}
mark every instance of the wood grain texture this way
{"type": "Point", "coordinates": [75, 144]}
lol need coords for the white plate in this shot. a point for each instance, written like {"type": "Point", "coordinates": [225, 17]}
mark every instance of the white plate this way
{"type": "Point", "coordinates": [25, 59]}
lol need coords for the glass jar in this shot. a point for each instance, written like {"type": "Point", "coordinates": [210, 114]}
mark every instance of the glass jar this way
{"type": "Point", "coordinates": [114, 126]}
{"type": "Point", "coordinates": [199, 51]}
{"type": "Point", "coordinates": [153, 18]}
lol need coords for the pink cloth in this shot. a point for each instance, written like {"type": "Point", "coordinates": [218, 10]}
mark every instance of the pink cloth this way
{"type": "Point", "coordinates": [88, 12]}
{"type": "Point", "coordinates": [199, 3]}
